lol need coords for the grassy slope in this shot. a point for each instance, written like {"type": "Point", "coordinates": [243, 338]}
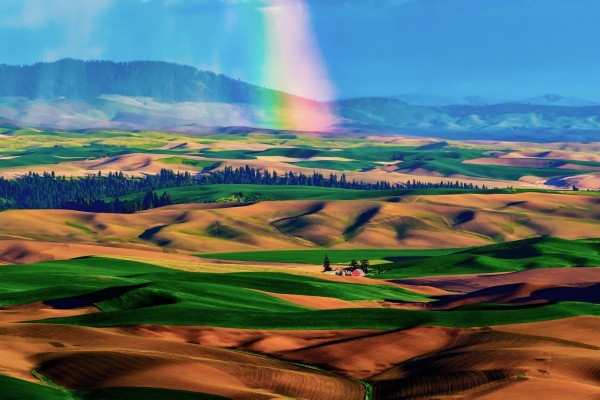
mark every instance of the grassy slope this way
{"type": "Point", "coordinates": [141, 285]}
{"type": "Point", "coordinates": [351, 318]}
{"type": "Point", "coordinates": [337, 165]}
{"type": "Point", "coordinates": [446, 160]}
{"type": "Point", "coordinates": [231, 300]}
{"type": "Point", "coordinates": [210, 193]}
{"type": "Point", "coordinates": [228, 154]}
{"type": "Point", "coordinates": [175, 160]}
{"type": "Point", "coordinates": [544, 252]}
{"type": "Point", "coordinates": [16, 389]}
{"type": "Point", "coordinates": [134, 293]}
{"type": "Point", "coordinates": [56, 154]}
{"type": "Point", "coordinates": [27, 283]}
{"type": "Point", "coordinates": [317, 256]}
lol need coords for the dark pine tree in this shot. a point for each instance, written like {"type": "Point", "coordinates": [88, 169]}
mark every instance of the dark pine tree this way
{"type": "Point", "coordinates": [326, 264]}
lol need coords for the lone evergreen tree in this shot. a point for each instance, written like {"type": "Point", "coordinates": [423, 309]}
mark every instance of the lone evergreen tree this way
{"type": "Point", "coordinates": [326, 264]}
{"type": "Point", "coordinates": [364, 265]}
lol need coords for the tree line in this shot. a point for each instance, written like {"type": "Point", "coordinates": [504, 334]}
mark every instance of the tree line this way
{"type": "Point", "coordinates": [94, 192]}
{"type": "Point", "coordinates": [249, 175]}
{"type": "Point", "coordinates": [47, 190]}
{"type": "Point", "coordinates": [150, 200]}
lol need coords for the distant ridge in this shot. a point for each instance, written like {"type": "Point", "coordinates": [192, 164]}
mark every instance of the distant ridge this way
{"type": "Point", "coordinates": [549, 99]}
{"type": "Point", "coordinates": [504, 121]}
{"type": "Point", "coordinates": [162, 81]}
{"type": "Point", "coordinates": [77, 95]}
{"type": "Point", "coordinates": [558, 100]}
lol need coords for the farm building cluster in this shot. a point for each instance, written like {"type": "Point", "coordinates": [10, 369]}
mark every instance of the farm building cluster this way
{"type": "Point", "coordinates": [353, 268]}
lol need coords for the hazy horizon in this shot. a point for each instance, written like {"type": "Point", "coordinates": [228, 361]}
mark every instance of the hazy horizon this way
{"type": "Point", "coordinates": [504, 49]}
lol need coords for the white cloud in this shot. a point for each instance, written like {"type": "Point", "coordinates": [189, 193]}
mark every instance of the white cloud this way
{"type": "Point", "coordinates": [78, 19]}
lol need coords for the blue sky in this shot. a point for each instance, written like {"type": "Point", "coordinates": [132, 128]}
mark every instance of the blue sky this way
{"type": "Point", "coordinates": [509, 49]}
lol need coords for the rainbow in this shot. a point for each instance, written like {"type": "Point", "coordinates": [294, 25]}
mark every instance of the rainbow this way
{"type": "Point", "coordinates": [289, 59]}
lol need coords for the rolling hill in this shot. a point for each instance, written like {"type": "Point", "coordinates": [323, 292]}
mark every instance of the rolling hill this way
{"type": "Point", "coordinates": [408, 222]}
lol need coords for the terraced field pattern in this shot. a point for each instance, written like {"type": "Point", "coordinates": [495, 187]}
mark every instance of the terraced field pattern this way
{"type": "Point", "coordinates": [490, 292]}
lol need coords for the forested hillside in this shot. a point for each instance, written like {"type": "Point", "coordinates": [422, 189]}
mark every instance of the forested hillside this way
{"type": "Point", "coordinates": [166, 82]}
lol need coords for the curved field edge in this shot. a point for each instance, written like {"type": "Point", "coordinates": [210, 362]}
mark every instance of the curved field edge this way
{"type": "Point", "coordinates": [17, 389]}
{"type": "Point", "coordinates": [352, 318]}
{"type": "Point", "coordinates": [519, 255]}
{"type": "Point", "coordinates": [130, 292]}
{"type": "Point", "coordinates": [317, 256]}
{"type": "Point", "coordinates": [97, 280]}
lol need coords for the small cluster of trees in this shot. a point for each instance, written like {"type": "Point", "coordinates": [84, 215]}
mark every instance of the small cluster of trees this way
{"type": "Point", "coordinates": [364, 265]}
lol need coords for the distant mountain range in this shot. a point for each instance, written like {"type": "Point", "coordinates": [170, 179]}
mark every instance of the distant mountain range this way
{"type": "Point", "coordinates": [72, 94]}
{"type": "Point", "coordinates": [545, 100]}
{"type": "Point", "coordinates": [504, 121]}
{"type": "Point", "coordinates": [558, 100]}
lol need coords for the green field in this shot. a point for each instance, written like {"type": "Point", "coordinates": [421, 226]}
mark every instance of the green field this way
{"type": "Point", "coordinates": [336, 256]}
{"type": "Point", "coordinates": [211, 193]}
{"type": "Point", "coordinates": [228, 154]}
{"type": "Point", "coordinates": [543, 252]}
{"type": "Point", "coordinates": [450, 161]}
{"type": "Point", "coordinates": [130, 292]}
{"type": "Point", "coordinates": [138, 282]}
{"type": "Point", "coordinates": [59, 153]}
{"type": "Point", "coordinates": [34, 147]}
{"type": "Point", "coordinates": [188, 161]}
{"type": "Point", "coordinates": [351, 318]}
{"type": "Point", "coordinates": [445, 160]}
{"type": "Point", "coordinates": [337, 165]}
{"type": "Point", "coordinates": [16, 389]}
